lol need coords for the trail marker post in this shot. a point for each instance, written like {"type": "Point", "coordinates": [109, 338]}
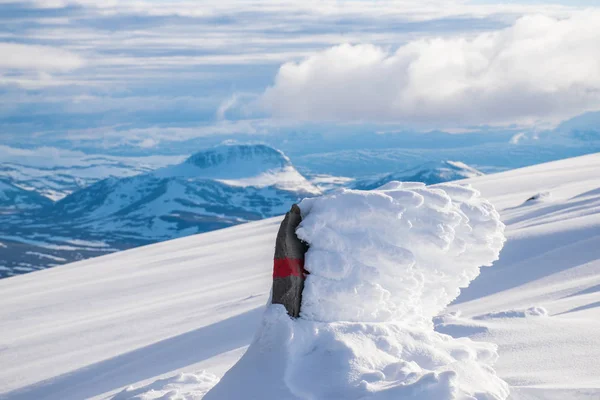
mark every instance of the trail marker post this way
{"type": "Point", "coordinates": [288, 265]}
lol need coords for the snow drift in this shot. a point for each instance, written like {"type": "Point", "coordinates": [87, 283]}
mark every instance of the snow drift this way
{"type": "Point", "coordinates": [382, 264]}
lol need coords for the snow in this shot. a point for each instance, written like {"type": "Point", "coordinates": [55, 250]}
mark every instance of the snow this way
{"type": "Point", "coordinates": [242, 165]}
{"type": "Point", "coordinates": [3, 189]}
{"type": "Point", "coordinates": [397, 246]}
{"type": "Point", "coordinates": [530, 312]}
{"type": "Point", "coordinates": [382, 263]}
{"type": "Point", "coordinates": [48, 256]}
{"type": "Point", "coordinates": [88, 243]}
{"type": "Point", "coordinates": [430, 173]}
{"type": "Point", "coordinates": [182, 200]}
{"type": "Point", "coordinates": [326, 183]}
{"type": "Point", "coordinates": [181, 386]}
{"type": "Point", "coordinates": [309, 360]}
{"type": "Point", "coordinates": [551, 260]}
{"type": "Point", "coordinates": [77, 245]}
{"type": "Point", "coordinates": [88, 329]}
{"type": "Point", "coordinates": [286, 178]}
{"type": "Point", "coordinates": [55, 173]}
{"type": "Point", "coordinates": [15, 198]}
{"type": "Point", "coordinates": [219, 186]}
{"type": "Point", "coordinates": [135, 318]}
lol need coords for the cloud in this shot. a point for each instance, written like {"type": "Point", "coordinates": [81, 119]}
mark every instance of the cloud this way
{"type": "Point", "coordinates": [539, 69]}
{"type": "Point", "coordinates": [83, 65]}
{"type": "Point", "coordinates": [37, 58]}
{"type": "Point", "coordinates": [32, 66]}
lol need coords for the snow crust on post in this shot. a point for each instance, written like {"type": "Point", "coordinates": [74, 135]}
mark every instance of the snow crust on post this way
{"type": "Point", "coordinates": [382, 264]}
{"type": "Point", "coordinates": [399, 253]}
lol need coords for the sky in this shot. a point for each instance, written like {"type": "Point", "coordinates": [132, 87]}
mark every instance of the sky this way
{"type": "Point", "coordinates": [147, 73]}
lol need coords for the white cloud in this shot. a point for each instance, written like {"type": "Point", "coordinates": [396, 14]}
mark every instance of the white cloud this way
{"type": "Point", "coordinates": [540, 69]}
{"type": "Point", "coordinates": [148, 63]}
{"type": "Point", "coordinates": [286, 10]}
{"type": "Point", "coordinates": [37, 58]}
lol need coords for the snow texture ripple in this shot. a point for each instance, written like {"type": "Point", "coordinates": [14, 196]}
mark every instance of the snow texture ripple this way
{"type": "Point", "coordinates": [382, 264]}
{"type": "Point", "coordinates": [183, 386]}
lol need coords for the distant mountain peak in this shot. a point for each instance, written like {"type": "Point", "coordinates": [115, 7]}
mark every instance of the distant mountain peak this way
{"type": "Point", "coordinates": [242, 165]}
{"type": "Point", "coordinates": [430, 173]}
{"type": "Point", "coordinates": [239, 154]}
{"type": "Point", "coordinates": [215, 188]}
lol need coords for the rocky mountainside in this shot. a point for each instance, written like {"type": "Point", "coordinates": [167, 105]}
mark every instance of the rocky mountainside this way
{"type": "Point", "coordinates": [15, 199]}
{"type": "Point", "coordinates": [216, 188]}
{"type": "Point", "coordinates": [56, 173]}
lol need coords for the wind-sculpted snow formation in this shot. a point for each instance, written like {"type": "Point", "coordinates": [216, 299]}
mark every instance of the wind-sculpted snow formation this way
{"type": "Point", "coordinates": [382, 264]}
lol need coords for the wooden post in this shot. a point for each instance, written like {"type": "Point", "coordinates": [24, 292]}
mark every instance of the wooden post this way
{"type": "Point", "coordinates": [288, 266]}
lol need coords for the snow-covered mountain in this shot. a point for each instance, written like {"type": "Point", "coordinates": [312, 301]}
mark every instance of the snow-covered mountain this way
{"type": "Point", "coordinates": [215, 188]}
{"type": "Point", "coordinates": [14, 199]}
{"type": "Point", "coordinates": [521, 148]}
{"type": "Point", "coordinates": [167, 320]}
{"type": "Point", "coordinates": [56, 173]}
{"type": "Point", "coordinates": [582, 131]}
{"type": "Point", "coordinates": [428, 173]}
{"type": "Point", "coordinates": [212, 189]}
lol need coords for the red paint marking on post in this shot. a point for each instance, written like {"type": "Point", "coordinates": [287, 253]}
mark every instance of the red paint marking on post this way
{"type": "Point", "coordinates": [284, 267]}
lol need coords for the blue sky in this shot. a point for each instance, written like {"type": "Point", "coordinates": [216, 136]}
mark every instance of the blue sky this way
{"type": "Point", "coordinates": [146, 73]}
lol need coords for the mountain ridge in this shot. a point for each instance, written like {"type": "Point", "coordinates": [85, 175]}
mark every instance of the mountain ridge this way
{"type": "Point", "coordinates": [429, 173]}
{"type": "Point", "coordinates": [174, 201]}
{"type": "Point", "coordinates": [14, 198]}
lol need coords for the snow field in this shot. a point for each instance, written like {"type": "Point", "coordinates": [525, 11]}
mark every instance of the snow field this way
{"type": "Point", "coordinates": [182, 386]}
{"type": "Point", "coordinates": [138, 318]}
{"type": "Point", "coordinates": [382, 264]}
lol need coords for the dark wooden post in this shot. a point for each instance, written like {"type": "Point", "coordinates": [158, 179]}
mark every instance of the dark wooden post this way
{"type": "Point", "coordinates": [288, 266]}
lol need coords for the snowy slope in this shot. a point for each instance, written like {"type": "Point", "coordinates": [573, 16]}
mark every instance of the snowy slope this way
{"type": "Point", "coordinates": [90, 329]}
{"type": "Point", "coordinates": [551, 261]}
{"type": "Point", "coordinates": [429, 173]}
{"type": "Point", "coordinates": [15, 199]}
